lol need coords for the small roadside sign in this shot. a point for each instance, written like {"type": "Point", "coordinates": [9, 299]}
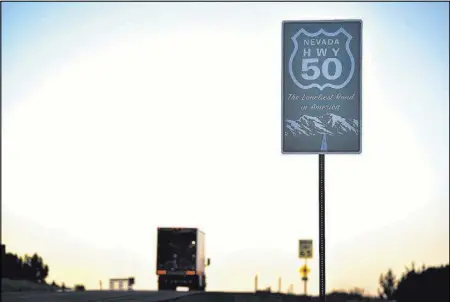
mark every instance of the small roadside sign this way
{"type": "Point", "coordinates": [304, 271]}
{"type": "Point", "coordinates": [305, 249]}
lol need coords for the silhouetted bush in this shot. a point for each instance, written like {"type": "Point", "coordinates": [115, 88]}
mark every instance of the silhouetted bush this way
{"type": "Point", "coordinates": [425, 284]}
{"type": "Point", "coordinates": [53, 284]}
{"type": "Point", "coordinates": [79, 288]}
{"type": "Point", "coordinates": [344, 296]}
{"type": "Point", "coordinates": [430, 284]}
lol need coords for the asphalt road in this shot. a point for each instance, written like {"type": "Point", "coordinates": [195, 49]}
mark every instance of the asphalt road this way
{"type": "Point", "coordinates": [148, 296]}
{"type": "Point", "coordinates": [94, 296]}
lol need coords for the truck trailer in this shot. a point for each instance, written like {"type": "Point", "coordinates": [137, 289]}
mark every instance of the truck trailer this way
{"type": "Point", "coordinates": [180, 259]}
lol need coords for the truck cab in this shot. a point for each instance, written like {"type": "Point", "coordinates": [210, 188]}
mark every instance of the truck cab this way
{"type": "Point", "coordinates": [181, 259]}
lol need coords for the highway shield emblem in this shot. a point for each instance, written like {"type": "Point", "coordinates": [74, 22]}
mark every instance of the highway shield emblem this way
{"type": "Point", "coordinates": [321, 59]}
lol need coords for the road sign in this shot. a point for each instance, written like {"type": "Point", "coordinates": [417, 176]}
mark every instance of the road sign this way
{"type": "Point", "coordinates": [120, 281]}
{"type": "Point", "coordinates": [321, 86]}
{"type": "Point", "coordinates": [305, 249]}
{"type": "Point", "coordinates": [304, 270]}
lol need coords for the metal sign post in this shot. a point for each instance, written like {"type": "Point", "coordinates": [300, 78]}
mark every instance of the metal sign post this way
{"type": "Point", "coordinates": [321, 97]}
{"type": "Point", "coordinates": [322, 288]}
{"type": "Point", "coordinates": [305, 285]}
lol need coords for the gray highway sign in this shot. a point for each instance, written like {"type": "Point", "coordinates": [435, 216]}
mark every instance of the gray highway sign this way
{"type": "Point", "coordinates": [305, 249]}
{"type": "Point", "coordinates": [321, 86]}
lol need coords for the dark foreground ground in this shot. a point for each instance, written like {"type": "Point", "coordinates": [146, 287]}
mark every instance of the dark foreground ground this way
{"type": "Point", "coordinates": [153, 296]}
{"type": "Point", "coordinates": [25, 291]}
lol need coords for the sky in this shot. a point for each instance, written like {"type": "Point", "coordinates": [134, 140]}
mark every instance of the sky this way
{"type": "Point", "coordinates": [118, 118]}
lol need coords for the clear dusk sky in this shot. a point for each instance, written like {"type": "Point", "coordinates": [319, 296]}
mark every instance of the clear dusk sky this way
{"type": "Point", "coordinates": [118, 118]}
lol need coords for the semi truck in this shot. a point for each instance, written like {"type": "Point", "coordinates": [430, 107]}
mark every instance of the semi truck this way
{"type": "Point", "coordinates": [180, 259]}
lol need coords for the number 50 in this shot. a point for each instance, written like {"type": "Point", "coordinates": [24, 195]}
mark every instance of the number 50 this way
{"type": "Point", "coordinates": [311, 65]}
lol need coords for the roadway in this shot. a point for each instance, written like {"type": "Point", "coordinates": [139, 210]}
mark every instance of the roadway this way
{"type": "Point", "coordinates": [147, 296]}
{"type": "Point", "coordinates": [93, 296]}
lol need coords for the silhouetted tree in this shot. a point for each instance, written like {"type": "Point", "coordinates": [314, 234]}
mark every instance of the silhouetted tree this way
{"type": "Point", "coordinates": [26, 268]}
{"type": "Point", "coordinates": [3, 252]}
{"type": "Point", "coordinates": [39, 269]}
{"type": "Point", "coordinates": [12, 266]}
{"type": "Point", "coordinates": [388, 285]}
{"type": "Point", "coordinates": [424, 285]}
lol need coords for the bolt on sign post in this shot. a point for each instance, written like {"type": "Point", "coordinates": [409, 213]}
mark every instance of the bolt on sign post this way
{"type": "Point", "coordinates": [321, 97]}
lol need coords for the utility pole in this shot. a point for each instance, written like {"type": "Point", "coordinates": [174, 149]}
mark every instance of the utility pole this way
{"type": "Point", "coordinates": [256, 283]}
{"type": "Point", "coordinates": [291, 289]}
{"type": "Point", "coordinates": [279, 284]}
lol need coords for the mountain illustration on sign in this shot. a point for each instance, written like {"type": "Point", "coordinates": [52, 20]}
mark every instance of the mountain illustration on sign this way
{"type": "Point", "coordinates": [327, 124]}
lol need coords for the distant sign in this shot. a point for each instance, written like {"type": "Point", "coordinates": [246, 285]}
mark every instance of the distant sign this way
{"type": "Point", "coordinates": [305, 249]}
{"type": "Point", "coordinates": [304, 270]}
{"type": "Point", "coordinates": [321, 86]}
